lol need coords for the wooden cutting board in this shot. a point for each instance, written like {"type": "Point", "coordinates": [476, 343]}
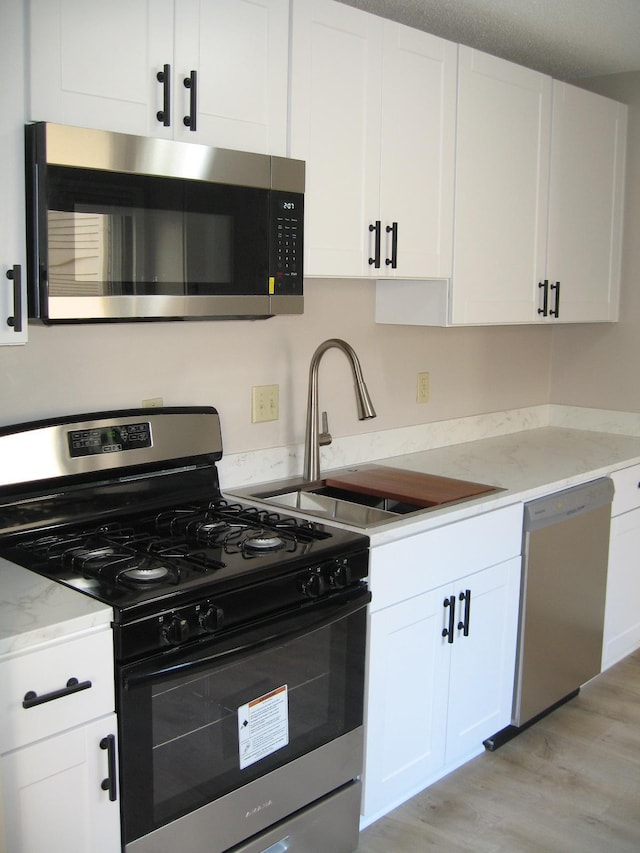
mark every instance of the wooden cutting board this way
{"type": "Point", "coordinates": [407, 486]}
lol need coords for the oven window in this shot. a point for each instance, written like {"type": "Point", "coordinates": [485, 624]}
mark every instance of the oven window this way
{"type": "Point", "coordinates": [183, 738]}
{"type": "Point", "coordinates": [129, 235]}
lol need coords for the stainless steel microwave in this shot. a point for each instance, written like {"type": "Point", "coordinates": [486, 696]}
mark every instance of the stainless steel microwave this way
{"type": "Point", "coordinates": [124, 228]}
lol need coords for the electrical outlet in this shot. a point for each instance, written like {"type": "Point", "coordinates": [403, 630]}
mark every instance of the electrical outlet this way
{"type": "Point", "coordinates": [152, 403]}
{"type": "Point", "coordinates": [264, 403]}
{"type": "Point", "coordinates": [422, 395]}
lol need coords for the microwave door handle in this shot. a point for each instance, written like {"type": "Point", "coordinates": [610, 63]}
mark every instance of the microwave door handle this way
{"type": "Point", "coordinates": [191, 83]}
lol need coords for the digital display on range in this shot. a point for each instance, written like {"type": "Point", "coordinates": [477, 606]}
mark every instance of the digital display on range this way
{"type": "Point", "coordinates": [109, 439]}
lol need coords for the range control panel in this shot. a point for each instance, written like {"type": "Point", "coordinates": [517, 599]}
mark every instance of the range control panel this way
{"type": "Point", "coordinates": [109, 439]}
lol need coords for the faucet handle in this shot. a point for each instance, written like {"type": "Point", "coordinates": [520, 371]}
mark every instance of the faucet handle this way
{"type": "Point", "coordinates": [325, 436]}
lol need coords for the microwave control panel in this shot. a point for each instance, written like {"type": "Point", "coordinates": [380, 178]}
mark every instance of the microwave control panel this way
{"type": "Point", "coordinates": [285, 262]}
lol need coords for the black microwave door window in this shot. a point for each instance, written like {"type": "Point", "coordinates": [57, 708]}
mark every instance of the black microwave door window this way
{"type": "Point", "coordinates": [111, 234]}
{"type": "Point", "coordinates": [227, 241]}
{"type": "Point", "coordinates": [180, 745]}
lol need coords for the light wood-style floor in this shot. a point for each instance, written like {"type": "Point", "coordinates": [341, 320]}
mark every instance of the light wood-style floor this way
{"type": "Point", "coordinates": [569, 784]}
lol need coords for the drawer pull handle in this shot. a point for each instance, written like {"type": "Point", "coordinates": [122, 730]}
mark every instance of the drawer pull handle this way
{"type": "Point", "coordinates": [31, 698]}
{"type": "Point", "coordinates": [109, 784]}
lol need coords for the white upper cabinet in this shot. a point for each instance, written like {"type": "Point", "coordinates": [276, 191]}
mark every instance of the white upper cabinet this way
{"type": "Point", "coordinates": [373, 114]}
{"type": "Point", "coordinates": [502, 166]}
{"type": "Point", "coordinates": [539, 195]}
{"type": "Point", "coordinates": [13, 303]}
{"type": "Point", "coordinates": [417, 151]}
{"type": "Point", "coordinates": [122, 66]}
{"type": "Point", "coordinates": [586, 198]}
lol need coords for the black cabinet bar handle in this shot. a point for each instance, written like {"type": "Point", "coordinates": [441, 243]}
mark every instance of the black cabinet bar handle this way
{"type": "Point", "coordinates": [393, 260]}
{"type": "Point", "coordinates": [164, 77]}
{"type": "Point", "coordinates": [31, 698]}
{"type": "Point", "coordinates": [375, 260]}
{"type": "Point", "coordinates": [464, 624]}
{"type": "Point", "coordinates": [109, 784]}
{"type": "Point", "coordinates": [545, 297]}
{"type": "Point", "coordinates": [191, 83]}
{"type": "Point", "coordinates": [555, 312]}
{"type": "Point", "coordinates": [451, 604]}
{"type": "Point", "coordinates": [15, 275]}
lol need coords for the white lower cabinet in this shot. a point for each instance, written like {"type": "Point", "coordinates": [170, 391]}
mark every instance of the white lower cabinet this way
{"type": "Point", "coordinates": [622, 608]}
{"type": "Point", "coordinates": [434, 697]}
{"type": "Point", "coordinates": [53, 794]}
{"type": "Point", "coordinates": [58, 747]}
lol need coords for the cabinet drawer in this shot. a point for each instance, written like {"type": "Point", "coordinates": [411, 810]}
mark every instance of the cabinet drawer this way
{"type": "Point", "coordinates": [627, 489]}
{"type": "Point", "coordinates": [399, 570]}
{"type": "Point", "coordinates": [45, 673]}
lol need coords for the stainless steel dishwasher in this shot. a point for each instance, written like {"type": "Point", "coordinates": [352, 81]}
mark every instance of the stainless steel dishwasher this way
{"type": "Point", "coordinates": [564, 577]}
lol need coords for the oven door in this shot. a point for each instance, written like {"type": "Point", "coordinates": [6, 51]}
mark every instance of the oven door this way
{"type": "Point", "coordinates": [228, 737]}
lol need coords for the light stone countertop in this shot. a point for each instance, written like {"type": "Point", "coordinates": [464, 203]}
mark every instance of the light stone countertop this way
{"type": "Point", "coordinates": [35, 611]}
{"type": "Point", "coordinates": [526, 465]}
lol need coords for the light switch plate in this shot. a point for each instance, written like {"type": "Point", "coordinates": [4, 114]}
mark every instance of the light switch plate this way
{"type": "Point", "coordinates": [422, 393]}
{"type": "Point", "coordinates": [265, 403]}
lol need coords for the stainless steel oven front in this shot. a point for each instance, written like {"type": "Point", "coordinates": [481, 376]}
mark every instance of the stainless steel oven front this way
{"type": "Point", "coordinates": [221, 742]}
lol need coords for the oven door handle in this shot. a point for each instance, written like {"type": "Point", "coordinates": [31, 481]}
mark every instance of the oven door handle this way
{"type": "Point", "coordinates": [278, 629]}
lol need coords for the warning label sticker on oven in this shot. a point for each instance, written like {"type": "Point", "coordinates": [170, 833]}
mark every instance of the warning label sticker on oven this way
{"type": "Point", "coordinates": [263, 726]}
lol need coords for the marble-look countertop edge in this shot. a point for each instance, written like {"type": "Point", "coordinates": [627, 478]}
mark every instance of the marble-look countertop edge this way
{"type": "Point", "coordinates": [36, 612]}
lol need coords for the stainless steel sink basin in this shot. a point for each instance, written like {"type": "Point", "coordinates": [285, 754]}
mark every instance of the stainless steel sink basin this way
{"type": "Point", "coordinates": [340, 504]}
{"type": "Point", "coordinates": [360, 508]}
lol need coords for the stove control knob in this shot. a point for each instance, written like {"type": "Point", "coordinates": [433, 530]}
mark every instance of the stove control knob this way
{"type": "Point", "coordinates": [340, 576]}
{"type": "Point", "coordinates": [177, 631]}
{"type": "Point", "coordinates": [211, 619]}
{"type": "Point", "coordinates": [314, 586]}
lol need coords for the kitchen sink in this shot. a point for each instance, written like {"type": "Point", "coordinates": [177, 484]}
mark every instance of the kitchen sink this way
{"type": "Point", "coordinates": [367, 495]}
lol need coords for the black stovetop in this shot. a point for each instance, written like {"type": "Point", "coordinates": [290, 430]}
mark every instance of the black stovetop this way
{"type": "Point", "coordinates": [126, 507]}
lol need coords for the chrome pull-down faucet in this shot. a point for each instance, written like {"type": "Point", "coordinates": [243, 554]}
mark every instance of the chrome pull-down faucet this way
{"type": "Point", "coordinates": [313, 439]}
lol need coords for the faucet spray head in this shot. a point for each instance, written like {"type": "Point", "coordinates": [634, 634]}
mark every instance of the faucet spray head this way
{"type": "Point", "coordinates": [363, 401]}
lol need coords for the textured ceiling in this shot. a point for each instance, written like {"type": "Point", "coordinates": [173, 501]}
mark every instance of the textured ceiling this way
{"type": "Point", "coordinates": [568, 39]}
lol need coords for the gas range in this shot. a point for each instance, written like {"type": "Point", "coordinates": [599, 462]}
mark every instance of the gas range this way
{"type": "Point", "coordinates": [126, 507]}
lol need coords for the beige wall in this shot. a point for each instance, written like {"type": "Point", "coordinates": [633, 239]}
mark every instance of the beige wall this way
{"type": "Point", "coordinates": [67, 369]}
{"type": "Point", "coordinates": [598, 366]}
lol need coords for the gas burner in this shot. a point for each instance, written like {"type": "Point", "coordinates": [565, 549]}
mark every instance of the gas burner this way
{"type": "Point", "coordinates": [144, 574]}
{"type": "Point", "coordinates": [264, 542]}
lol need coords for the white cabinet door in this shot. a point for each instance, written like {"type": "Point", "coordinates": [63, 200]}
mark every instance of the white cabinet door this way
{"type": "Point", "coordinates": [502, 163]}
{"type": "Point", "coordinates": [622, 611]}
{"type": "Point", "coordinates": [483, 662]}
{"type": "Point", "coordinates": [240, 50]}
{"type": "Point", "coordinates": [417, 152]}
{"type": "Point", "coordinates": [622, 608]}
{"type": "Point", "coordinates": [335, 126]}
{"type": "Point", "coordinates": [586, 197]}
{"type": "Point", "coordinates": [97, 65]}
{"type": "Point", "coordinates": [53, 794]}
{"type": "Point", "coordinates": [373, 115]}
{"type": "Point", "coordinates": [13, 303]}
{"type": "Point", "coordinates": [407, 707]}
